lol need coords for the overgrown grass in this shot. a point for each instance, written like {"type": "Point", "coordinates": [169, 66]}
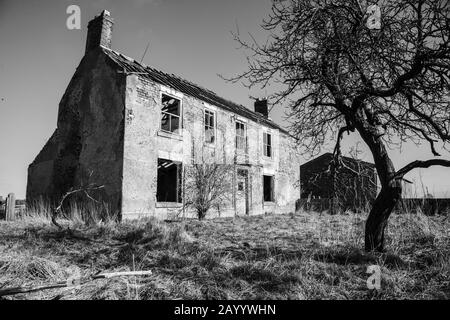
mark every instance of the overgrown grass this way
{"type": "Point", "coordinates": [292, 256]}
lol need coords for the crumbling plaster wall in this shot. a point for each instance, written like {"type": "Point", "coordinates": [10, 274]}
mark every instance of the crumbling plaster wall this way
{"type": "Point", "coordinates": [140, 148]}
{"type": "Point", "coordinates": [89, 144]}
{"type": "Point", "coordinates": [102, 126]}
{"type": "Point", "coordinates": [288, 175]}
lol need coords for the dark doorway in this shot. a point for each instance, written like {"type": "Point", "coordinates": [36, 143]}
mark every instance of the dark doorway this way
{"type": "Point", "coordinates": [242, 192]}
{"type": "Point", "coordinates": [268, 188]}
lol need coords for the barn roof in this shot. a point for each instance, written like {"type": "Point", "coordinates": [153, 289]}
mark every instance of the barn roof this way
{"type": "Point", "coordinates": [328, 156]}
{"type": "Point", "coordinates": [172, 81]}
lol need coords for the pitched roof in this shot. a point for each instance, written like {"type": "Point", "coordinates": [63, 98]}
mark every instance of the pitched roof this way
{"type": "Point", "coordinates": [328, 156]}
{"type": "Point", "coordinates": [187, 87]}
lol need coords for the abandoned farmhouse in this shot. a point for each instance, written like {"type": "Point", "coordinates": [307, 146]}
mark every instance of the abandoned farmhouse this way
{"type": "Point", "coordinates": [136, 130]}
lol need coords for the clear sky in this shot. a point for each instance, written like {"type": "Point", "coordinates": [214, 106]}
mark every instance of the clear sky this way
{"type": "Point", "coordinates": [38, 56]}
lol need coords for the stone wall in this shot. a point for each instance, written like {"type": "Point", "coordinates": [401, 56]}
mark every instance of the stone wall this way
{"type": "Point", "coordinates": [140, 147]}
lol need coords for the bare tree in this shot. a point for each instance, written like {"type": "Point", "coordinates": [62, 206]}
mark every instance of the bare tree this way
{"type": "Point", "coordinates": [388, 80]}
{"type": "Point", "coordinates": [208, 185]}
{"type": "Point", "coordinates": [208, 180]}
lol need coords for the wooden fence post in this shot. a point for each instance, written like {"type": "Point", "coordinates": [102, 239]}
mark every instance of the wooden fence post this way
{"type": "Point", "coordinates": [10, 207]}
{"type": "Point", "coordinates": [2, 209]}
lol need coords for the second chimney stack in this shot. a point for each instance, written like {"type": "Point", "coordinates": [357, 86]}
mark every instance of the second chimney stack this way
{"type": "Point", "coordinates": [261, 107]}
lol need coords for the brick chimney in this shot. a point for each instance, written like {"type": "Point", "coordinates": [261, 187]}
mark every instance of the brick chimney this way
{"type": "Point", "coordinates": [261, 107]}
{"type": "Point", "coordinates": [100, 31]}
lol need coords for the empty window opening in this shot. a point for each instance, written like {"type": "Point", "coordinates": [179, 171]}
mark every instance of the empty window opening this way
{"type": "Point", "coordinates": [169, 181]}
{"type": "Point", "coordinates": [209, 127]}
{"type": "Point", "coordinates": [241, 138]}
{"type": "Point", "coordinates": [267, 144]}
{"type": "Point", "coordinates": [268, 188]}
{"type": "Point", "coordinates": [170, 113]}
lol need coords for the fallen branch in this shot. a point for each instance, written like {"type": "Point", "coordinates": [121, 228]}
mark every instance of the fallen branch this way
{"type": "Point", "coordinates": [84, 189]}
{"type": "Point", "coordinates": [17, 290]}
{"type": "Point", "coordinates": [71, 283]}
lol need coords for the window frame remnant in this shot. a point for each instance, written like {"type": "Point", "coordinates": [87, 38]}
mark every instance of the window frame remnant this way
{"type": "Point", "coordinates": [170, 115]}
{"type": "Point", "coordinates": [267, 144]}
{"type": "Point", "coordinates": [241, 136]}
{"type": "Point", "coordinates": [210, 126]}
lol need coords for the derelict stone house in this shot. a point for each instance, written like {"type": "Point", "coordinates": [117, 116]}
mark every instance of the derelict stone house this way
{"type": "Point", "coordinates": [135, 129]}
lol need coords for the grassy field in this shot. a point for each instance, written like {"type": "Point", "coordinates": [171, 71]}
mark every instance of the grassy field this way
{"type": "Point", "coordinates": [292, 256]}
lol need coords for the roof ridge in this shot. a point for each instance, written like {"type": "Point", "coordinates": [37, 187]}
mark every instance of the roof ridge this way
{"type": "Point", "coordinates": [161, 71]}
{"type": "Point", "coordinates": [330, 154]}
{"type": "Point", "coordinates": [223, 101]}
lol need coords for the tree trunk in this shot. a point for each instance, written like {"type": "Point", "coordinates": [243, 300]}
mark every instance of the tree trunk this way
{"type": "Point", "coordinates": [391, 189]}
{"type": "Point", "coordinates": [377, 221]}
{"type": "Point", "coordinates": [201, 213]}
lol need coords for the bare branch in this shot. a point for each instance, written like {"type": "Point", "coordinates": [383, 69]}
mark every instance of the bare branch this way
{"type": "Point", "coordinates": [420, 164]}
{"type": "Point", "coordinates": [84, 188]}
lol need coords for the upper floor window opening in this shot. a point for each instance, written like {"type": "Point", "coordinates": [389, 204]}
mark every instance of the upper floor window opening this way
{"type": "Point", "coordinates": [241, 136]}
{"type": "Point", "coordinates": [267, 144]}
{"type": "Point", "coordinates": [170, 113]}
{"type": "Point", "coordinates": [210, 126]}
